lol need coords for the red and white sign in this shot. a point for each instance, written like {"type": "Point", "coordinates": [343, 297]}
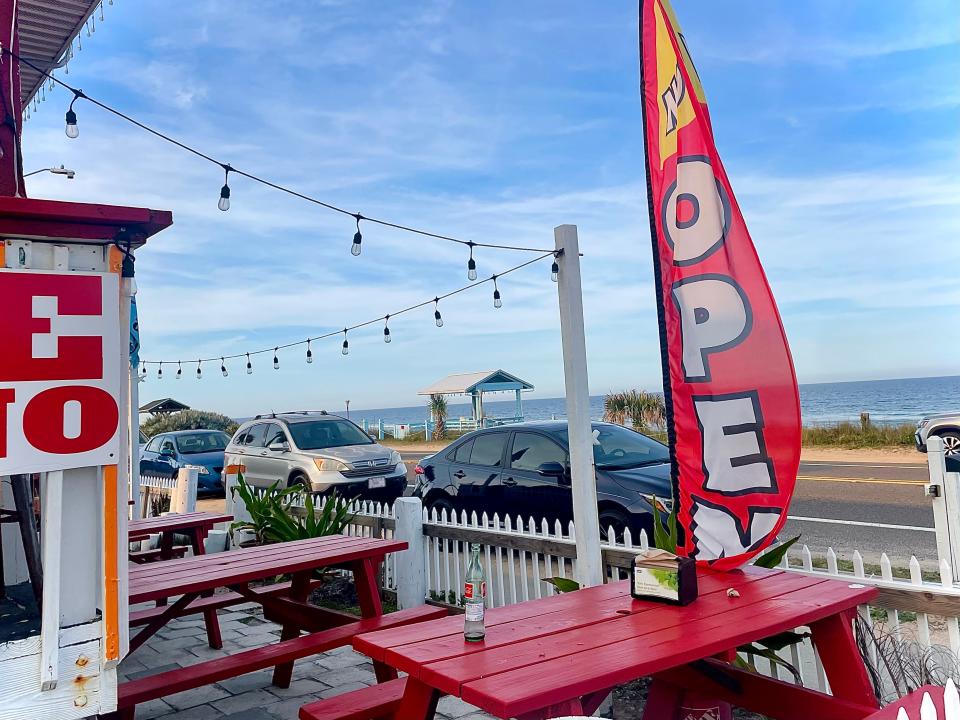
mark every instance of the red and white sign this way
{"type": "Point", "coordinates": [60, 373]}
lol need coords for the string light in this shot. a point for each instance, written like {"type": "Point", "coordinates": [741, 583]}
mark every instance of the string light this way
{"type": "Point", "coordinates": [199, 373]}
{"type": "Point", "coordinates": [144, 369]}
{"type": "Point", "coordinates": [555, 271]}
{"type": "Point", "coordinates": [160, 372]}
{"type": "Point", "coordinates": [71, 129]}
{"type": "Point", "coordinates": [74, 132]}
{"type": "Point", "coordinates": [223, 367]}
{"type": "Point", "coordinates": [357, 238]}
{"type": "Point", "coordinates": [224, 202]}
{"type": "Point", "coordinates": [179, 370]}
{"type": "Point", "coordinates": [471, 266]}
{"type": "Point", "coordinates": [387, 336]}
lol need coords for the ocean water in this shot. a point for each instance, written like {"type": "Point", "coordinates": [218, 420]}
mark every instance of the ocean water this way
{"type": "Point", "coordinates": [903, 400]}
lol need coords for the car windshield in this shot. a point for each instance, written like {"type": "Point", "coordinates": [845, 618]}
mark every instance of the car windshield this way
{"type": "Point", "coordinates": [618, 448]}
{"type": "Point", "coordinates": [202, 443]}
{"type": "Point", "coordinates": [324, 434]}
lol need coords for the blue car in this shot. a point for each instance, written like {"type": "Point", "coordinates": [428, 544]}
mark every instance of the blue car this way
{"type": "Point", "coordinates": [166, 453]}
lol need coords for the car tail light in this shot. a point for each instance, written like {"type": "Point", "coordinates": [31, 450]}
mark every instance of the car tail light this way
{"type": "Point", "coordinates": [418, 470]}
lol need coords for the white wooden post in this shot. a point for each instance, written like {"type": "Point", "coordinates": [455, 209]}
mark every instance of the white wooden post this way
{"type": "Point", "coordinates": [135, 441]}
{"type": "Point", "coordinates": [184, 498]}
{"type": "Point", "coordinates": [50, 541]}
{"type": "Point", "coordinates": [411, 564]}
{"type": "Point", "coordinates": [579, 429]}
{"type": "Point", "coordinates": [944, 489]}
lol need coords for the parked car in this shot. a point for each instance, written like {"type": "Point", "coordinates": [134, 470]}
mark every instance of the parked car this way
{"type": "Point", "coordinates": [946, 427]}
{"type": "Point", "coordinates": [319, 451]}
{"type": "Point", "coordinates": [524, 470]}
{"type": "Point", "coordinates": [166, 453]}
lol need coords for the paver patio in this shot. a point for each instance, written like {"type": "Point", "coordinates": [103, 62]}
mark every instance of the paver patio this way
{"type": "Point", "coordinates": [252, 697]}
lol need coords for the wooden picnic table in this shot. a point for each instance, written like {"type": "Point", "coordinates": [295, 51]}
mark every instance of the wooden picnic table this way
{"type": "Point", "coordinates": [286, 603]}
{"type": "Point", "coordinates": [195, 525]}
{"type": "Point", "coordinates": [562, 655]}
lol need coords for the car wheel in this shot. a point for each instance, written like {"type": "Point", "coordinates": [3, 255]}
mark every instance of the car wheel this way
{"type": "Point", "coordinates": [441, 505]}
{"type": "Point", "coordinates": [951, 443]}
{"type": "Point", "coordinates": [613, 518]}
{"type": "Point", "coordinates": [297, 480]}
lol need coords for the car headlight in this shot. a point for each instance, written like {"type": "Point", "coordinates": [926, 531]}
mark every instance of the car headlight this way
{"type": "Point", "coordinates": [923, 422]}
{"type": "Point", "coordinates": [202, 471]}
{"type": "Point", "coordinates": [330, 465]}
{"type": "Point", "coordinates": [395, 458]}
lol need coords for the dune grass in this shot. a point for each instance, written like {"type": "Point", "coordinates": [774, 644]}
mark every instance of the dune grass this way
{"type": "Point", "coordinates": [857, 435]}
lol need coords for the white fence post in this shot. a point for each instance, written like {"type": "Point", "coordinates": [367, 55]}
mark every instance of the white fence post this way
{"type": "Point", "coordinates": [411, 576]}
{"type": "Point", "coordinates": [944, 489]}
{"type": "Point", "coordinates": [579, 429]}
{"type": "Point", "coordinates": [184, 497]}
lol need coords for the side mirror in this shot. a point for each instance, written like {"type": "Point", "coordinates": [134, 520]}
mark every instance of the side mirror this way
{"type": "Point", "coordinates": [373, 434]}
{"type": "Point", "coordinates": [552, 469]}
{"type": "Point", "coordinates": [278, 447]}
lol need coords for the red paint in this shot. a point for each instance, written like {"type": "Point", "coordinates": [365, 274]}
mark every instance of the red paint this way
{"type": "Point", "coordinates": [44, 414]}
{"type": "Point", "coordinates": [11, 122]}
{"type": "Point", "coordinates": [7, 396]}
{"type": "Point", "coordinates": [72, 221]}
{"type": "Point", "coordinates": [380, 700]}
{"type": "Point", "coordinates": [78, 358]}
{"type": "Point", "coordinates": [142, 529]}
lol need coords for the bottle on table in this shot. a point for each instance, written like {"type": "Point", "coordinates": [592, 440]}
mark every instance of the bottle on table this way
{"type": "Point", "coordinates": [474, 595]}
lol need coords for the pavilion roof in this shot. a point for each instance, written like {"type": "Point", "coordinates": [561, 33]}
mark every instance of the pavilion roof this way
{"type": "Point", "coordinates": [467, 383]}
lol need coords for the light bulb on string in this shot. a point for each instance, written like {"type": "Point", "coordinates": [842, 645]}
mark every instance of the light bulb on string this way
{"type": "Point", "coordinates": [276, 360]}
{"type": "Point", "coordinates": [357, 237]}
{"type": "Point", "coordinates": [223, 367]}
{"type": "Point", "coordinates": [179, 370]}
{"type": "Point", "coordinates": [224, 202]}
{"type": "Point", "coordinates": [199, 372]}
{"type": "Point", "coordinates": [497, 302]}
{"type": "Point", "coordinates": [144, 370]}
{"type": "Point", "coordinates": [471, 265]}
{"type": "Point", "coordinates": [160, 371]}
{"type": "Point", "coordinates": [309, 353]}
{"type": "Point", "coordinates": [386, 329]}
{"type": "Point", "coordinates": [555, 271]}
{"type": "Point", "coordinates": [249, 365]}
{"type": "Point", "coordinates": [346, 344]}
{"type": "Point", "coordinates": [71, 129]}
{"type": "Point", "coordinates": [436, 312]}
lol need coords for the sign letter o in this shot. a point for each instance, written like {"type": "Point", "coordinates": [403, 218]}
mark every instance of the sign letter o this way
{"type": "Point", "coordinates": [696, 211]}
{"type": "Point", "coordinates": [43, 419]}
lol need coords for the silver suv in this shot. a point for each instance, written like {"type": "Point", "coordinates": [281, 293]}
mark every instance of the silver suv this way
{"type": "Point", "coordinates": [947, 427]}
{"type": "Point", "coordinates": [319, 451]}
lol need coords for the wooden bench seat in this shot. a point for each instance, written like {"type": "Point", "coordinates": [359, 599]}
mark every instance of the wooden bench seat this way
{"type": "Point", "coordinates": [145, 556]}
{"type": "Point", "coordinates": [134, 692]}
{"type": "Point", "coordinates": [214, 602]}
{"type": "Point", "coordinates": [370, 703]}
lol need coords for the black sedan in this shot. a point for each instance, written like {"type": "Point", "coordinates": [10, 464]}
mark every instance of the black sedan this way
{"type": "Point", "coordinates": [524, 470]}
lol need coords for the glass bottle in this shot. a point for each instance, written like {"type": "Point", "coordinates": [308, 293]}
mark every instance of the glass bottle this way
{"type": "Point", "coordinates": [474, 594]}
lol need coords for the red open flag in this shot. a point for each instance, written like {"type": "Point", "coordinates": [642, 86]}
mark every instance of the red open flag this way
{"type": "Point", "coordinates": [733, 409]}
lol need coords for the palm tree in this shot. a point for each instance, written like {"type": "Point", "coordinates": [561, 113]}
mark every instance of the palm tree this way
{"type": "Point", "coordinates": [645, 410]}
{"type": "Point", "coordinates": [438, 410]}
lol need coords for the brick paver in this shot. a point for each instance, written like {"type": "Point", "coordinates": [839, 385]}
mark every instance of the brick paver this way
{"type": "Point", "coordinates": [252, 696]}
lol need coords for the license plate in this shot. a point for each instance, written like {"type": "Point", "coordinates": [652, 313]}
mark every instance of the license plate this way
{"type": "Point", "coordinates": [376, 483]}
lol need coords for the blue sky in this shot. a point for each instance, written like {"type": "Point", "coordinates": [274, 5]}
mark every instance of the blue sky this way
{"type": "Point", "coordinates": [838, 124]}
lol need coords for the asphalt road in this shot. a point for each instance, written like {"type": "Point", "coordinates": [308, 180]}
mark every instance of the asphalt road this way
{"type": "Point", "coordinates": [884, 493]}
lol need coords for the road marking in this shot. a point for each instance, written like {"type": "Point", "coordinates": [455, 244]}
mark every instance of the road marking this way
{"type": "Point", "coordinates": [870, 481]}
{"type": "Point", "coordinates": [886, 466]}
{"type": "Point", "coordinates": [860, 523]}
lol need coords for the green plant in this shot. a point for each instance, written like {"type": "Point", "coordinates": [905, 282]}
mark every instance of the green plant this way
{"type": "Point", "coordinates": [159, 504]}
{"type": "Point", "coordinates": [645, 410]}
{"type": "Point", "coordinates": [438, 410]}
{"type": "Point", "coordinates": [272, 521]}
{"type": "Point", "coordinates": [188, 420]}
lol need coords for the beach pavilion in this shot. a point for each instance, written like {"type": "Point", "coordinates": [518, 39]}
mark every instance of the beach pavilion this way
{"type": "Point", "coordinates": [475, 384]}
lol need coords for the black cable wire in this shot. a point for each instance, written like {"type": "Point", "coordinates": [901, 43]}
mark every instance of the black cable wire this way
{"type": "Point", "coordinates": [431, 301]}
{"type": "Point", "coordinates": [78, 94]}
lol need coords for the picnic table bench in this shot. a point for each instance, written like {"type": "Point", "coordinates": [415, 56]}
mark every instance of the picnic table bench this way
{"type": "Point", "coordinates": [195, 525]}
{"type": "Point", "coordinates": [562, 655]}
{"type": "Point", "coordinates": [189, 578]}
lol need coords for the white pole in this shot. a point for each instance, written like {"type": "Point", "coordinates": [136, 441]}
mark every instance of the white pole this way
{"type": "Point", "coordinates": [135, 441]}
{"type": "Point", "coordinates": [411, 563]}
{"type": "Point", "coordinates": [579, 429]}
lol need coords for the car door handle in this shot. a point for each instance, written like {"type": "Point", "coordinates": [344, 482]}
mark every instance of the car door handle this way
{"type": "Point", "coordinates": [459, 474]}
{"type": "Point", "coordinates": [263, 453]}
{"type": "Point", "coordinates": [509, 482]}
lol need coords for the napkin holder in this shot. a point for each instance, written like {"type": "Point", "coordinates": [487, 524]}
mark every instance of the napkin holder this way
{"type": "Point", "coordinates": [662, 576]}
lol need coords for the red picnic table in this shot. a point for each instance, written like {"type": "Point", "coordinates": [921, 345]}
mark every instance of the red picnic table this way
{"type": "Point", "coordinates": [193, 578]}
{"type": "Point", "coordinates": [195, 525]}
{"type": "Point", "coordinates": [562, 655]}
